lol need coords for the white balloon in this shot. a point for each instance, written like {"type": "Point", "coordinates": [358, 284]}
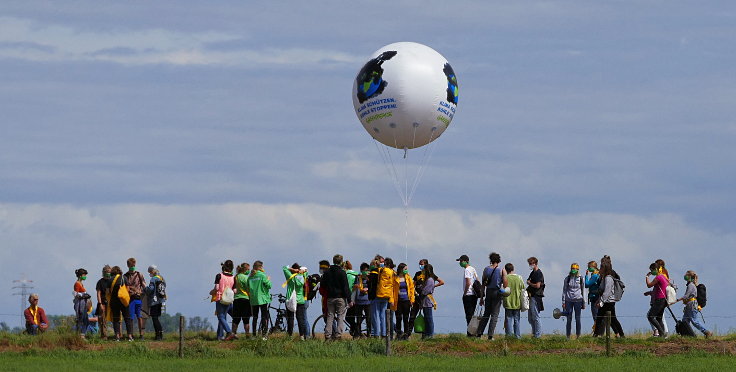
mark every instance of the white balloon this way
{"type": "Point", "coordinates": [405, 95]}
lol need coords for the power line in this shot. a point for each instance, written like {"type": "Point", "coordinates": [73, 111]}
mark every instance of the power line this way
{"type": "Point", "coordinates": [25, 285]}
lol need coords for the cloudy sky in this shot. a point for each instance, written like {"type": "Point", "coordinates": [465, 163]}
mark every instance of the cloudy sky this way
{"type": "Point", "coordinates": [185, 133]}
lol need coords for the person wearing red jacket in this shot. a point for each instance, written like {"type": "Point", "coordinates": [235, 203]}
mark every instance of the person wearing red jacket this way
{"type": "Point", "coordinates": [36, 320]}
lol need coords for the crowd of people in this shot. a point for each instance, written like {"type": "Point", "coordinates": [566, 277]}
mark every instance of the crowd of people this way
{"type": "Point", "coordinates": [121, 297]}
{"type": "Point", "coordinates": [357, 297]}
{"type": "Point", "coordinates": [347, 297]}
{"type": "Point", "coordinates": [501, 286]}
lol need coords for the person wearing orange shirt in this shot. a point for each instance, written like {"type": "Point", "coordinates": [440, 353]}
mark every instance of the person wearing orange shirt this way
{"type": "Point", "coordinates": [80, 302]}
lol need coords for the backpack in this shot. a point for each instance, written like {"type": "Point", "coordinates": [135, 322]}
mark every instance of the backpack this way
{"type": "Point", "coordinates": [618, 289]}
{"type": "Point", "coordinates": [312, 283]}
{"type": "Point", "coordinates": [161, 289]}
{"type": "Point", "coordinates": [566, 284]}
{"type": "Point", "coordinates": [228, 296]}
{"type": "Point", "coordinates": [702, 296]}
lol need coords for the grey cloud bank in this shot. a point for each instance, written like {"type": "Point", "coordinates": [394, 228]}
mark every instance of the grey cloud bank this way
{"type": "Point", "coordinates": [48, 242]}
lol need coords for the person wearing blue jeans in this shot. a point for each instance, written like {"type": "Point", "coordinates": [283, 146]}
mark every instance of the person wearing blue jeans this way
{"type": "Point", "coordinates": [573, 299]}
{"type": "Point", "coordinates": [223, 327]}
{"type": "Point", "coordinates": [378, 317]}
{"type": "Point", "coordinates": [535, 287]}
{"type": "Point", "coordinates": [513, 320]}
{"type": "Point", "coordinates": [534, 316]}
{"type": "Point", "coordinates": [428, 322]}
{"type": "Point", "coordinates": [692, 309]}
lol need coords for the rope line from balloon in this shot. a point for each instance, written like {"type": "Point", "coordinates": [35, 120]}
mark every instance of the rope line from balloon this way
{"type": "Point", "coordinates": [405, 192]}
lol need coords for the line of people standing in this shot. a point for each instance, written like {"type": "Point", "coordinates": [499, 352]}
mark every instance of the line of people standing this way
{"type": "Point", "coordinates": [348, 296]}
{"type": "Point", "coordinates": [120, 297]}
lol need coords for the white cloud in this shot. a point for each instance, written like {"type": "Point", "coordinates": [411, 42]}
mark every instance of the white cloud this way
{"type": "Point", "coordinates": [47, 242]}
{"type": "Point", "coordinates": [28, 40]}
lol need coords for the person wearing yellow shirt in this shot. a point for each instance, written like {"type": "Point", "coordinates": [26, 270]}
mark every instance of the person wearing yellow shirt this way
{"type": "Point", "coordinates": [403, 297]}
{"type": "Point", "coordinates": [384, 297]}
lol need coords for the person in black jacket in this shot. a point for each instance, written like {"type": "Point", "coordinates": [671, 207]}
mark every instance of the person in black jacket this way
{"type": "Point", "coordinates": [335, 285]}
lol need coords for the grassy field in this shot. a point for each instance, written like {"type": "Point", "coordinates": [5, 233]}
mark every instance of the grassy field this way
{"type": "Point", "coordinates": [63, 351]}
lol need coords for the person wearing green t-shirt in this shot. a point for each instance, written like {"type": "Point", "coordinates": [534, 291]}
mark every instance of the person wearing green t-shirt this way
{"type": "Point", "coordinates": [296, 278]}
{"type": "Point", "coordinates": [512, 302]}
{"type": "Point", "coordinates": [241, 305]}
{"type": "Point", "coordinates": [351, 315]}
{"type": "Point", "coordinates": [259, 293]}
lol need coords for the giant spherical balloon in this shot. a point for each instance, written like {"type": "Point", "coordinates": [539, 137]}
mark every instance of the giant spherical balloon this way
{"type": "Point", "coordinates": [405, 95]}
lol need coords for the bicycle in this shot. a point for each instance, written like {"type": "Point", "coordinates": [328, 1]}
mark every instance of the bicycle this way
{"type": "Point", "coordinates": [320, 321]}
{"type": "Point", "coordinates": [280, 324]}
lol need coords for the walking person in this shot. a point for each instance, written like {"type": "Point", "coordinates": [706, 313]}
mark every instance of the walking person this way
{"type": "Point", "coordinates": [607, 301]}
{"type": "Point", "coordinates": [573, 299]}
{"type": "Point", "coordinates": [335, 283]}
{"type": "Point", "coordinates": [259, 290]}
{"type": "Point", "coordinates": [136, 284]}
{"type": "Point", "coordinates": [116, 310]}
{"type": "Point", "coordinates": [427, 301]}
{"type": "Point", "coordinates": [101, 288]}
{"type": "Point", "coordinates": [535, 287]}
{"type": "Point", "coordinates": [156, 296]}
{"type": "Point", "coordinates": [418, 282]}
{"type": "Point", "coordinates": [80, 302]}
{"type": "Point", "coordinates": [470, 299]}
{"type": "Point", "coordinates": [296, 279]}
{"type": "Point", "coordinates": [690, 300]}
{"type": "Point", "coordinates": [223, 295]}
{"type": "Point", "coordinates": [362, 303]}
{"type": "Point", "coordinates": [592, 283]}
{"type": "Point", "coordinates": [403, 297]}
{"type": "Point", "coordinates": [494, 279]}
{"type": "Point", "coordinates": [241, 304]}
{"type": "Point", "coordinates": [35, 316]}
{"type": "Point", "coordinates": [659, 295]}
{"type": "Point", "coordinates": [655, 331]}
{"type": "Point", "coordinates": [512, 302]}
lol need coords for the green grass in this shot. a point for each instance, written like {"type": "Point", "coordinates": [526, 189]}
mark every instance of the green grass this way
{"type": "Point", "coordinates": [130, 361]}
{"type": "Point", "coordinates": [62, 350]}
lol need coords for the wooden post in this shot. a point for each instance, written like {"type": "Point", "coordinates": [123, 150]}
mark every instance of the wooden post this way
{"type": "Point", "coordinates": [181, 336]}
{"type": "Point", "coordinates": [388, 332]}
{"type": "Point", "coordinates": [608, 333]}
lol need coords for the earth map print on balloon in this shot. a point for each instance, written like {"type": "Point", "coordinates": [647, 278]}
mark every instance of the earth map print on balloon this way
{"type": "Point", "coordinates": [405, 95]}
{"type": "Point", "coordinates": [370, 81]}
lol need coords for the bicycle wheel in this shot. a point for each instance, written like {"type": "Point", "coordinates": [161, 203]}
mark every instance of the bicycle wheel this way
{"type": "Point", "coordinates": [320, 320]}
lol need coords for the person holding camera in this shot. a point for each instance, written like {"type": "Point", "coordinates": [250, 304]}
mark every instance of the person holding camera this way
{"type": "Point", "coordinates": [296, 279]}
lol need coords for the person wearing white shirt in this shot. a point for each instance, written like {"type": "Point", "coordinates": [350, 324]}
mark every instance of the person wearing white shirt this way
{"type": "Point", "coordinates": [470, 299]}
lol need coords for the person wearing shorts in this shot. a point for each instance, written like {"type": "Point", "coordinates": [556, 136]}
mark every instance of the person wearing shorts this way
{"type": "Point", "coordinates": [136, 284]}
{"type": "Point", "coordinates": [241, 305]}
